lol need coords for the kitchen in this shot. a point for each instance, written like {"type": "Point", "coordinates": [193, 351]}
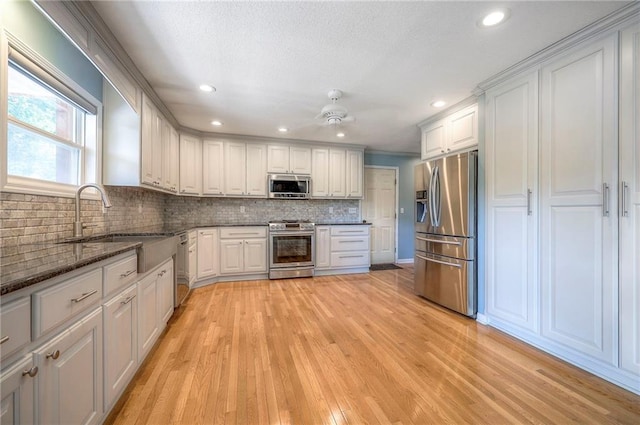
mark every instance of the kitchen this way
{"type": "Point", "coordinates": [137, 209]}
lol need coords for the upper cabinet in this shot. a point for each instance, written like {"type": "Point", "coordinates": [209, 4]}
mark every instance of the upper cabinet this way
{"type": "Point", "coordinates": [337, 173]}
{"type": "Point", "coordinates": [284, 159]}
{"type": "Point", "coordinates": [191, 159]}
{"type": "Point", "coordinates": [453, 133]}
{"type": "Point", "coordinates": [212, 167]}
{"type": "Point", "coordinates": [245, 169]}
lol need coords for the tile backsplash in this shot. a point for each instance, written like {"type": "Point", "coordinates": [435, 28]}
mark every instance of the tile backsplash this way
{"type": "Point", "coordinates": [28, 219]}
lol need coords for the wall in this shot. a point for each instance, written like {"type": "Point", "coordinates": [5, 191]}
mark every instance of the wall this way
{"type": "Point", "coordinates": [199, 211]}
{"type": "Point", "coordinates": [25, 22]}
{"type": "Point", "coordinates": [27, 219]}
{"type": "Point", "coordinates": [406, 164]}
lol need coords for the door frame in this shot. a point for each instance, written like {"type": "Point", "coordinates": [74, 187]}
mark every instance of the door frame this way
{"type": "Point", "coordinates": [395, 207]}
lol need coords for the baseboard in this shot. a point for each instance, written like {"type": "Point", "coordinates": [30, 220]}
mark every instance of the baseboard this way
{"type": "Point", "coordinates": [481, 318]}
{"type": "Point", "coordinates": [404, 261]}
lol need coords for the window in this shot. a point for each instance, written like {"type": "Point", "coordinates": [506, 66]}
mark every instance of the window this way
{"type": "Point", "coordinates": [51, 130]}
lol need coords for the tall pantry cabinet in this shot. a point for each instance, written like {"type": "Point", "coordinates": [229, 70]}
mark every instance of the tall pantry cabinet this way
{"type": "Point", "coordinates": [562, 202]}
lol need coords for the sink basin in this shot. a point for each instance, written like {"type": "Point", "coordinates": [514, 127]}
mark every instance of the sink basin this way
{"type": "Point", "coordinates": [154, 250]}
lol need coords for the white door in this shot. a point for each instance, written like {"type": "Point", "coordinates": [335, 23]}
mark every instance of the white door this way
{"type": "Point", "coordinates": [147, 315]}
{"type": "Point", "coordinates": [434, 140]}
{"type": "Point", "coordinates": [146, 138]}
{"type": "Point", "coordinates": [190, 165]}
{"type": "Point", "coordinates": [231, 256]}
{"type": "Point", "coordinates": [256, 167]}
{"type": "Point", "coordinates": [320, 172]}
{"type": "Point", "coordinates": [255, 255]}
{"type": "Point", "coordinates": [235, 176]}
{"type": "Point", "coordinates": [337, 168]}
{"type": "Point", "coordinates": [206, 251]}
{"type": "Point", "coordinates": [278, 159]}
{"type": "Point", "coordinates": [379, 209]}
{"type": "Point", "coordinates": [212, 167]}
{"type": "Point", "coordinates": [323, 247]}
{"type": "Point", "coordinates": [300, 160]}
{"type": "Point", "coordinates": [578, 178]}
{"type": "Point", "coordinates": [165, 293]}
{"type": "Point", "coordinates": [354, 173]}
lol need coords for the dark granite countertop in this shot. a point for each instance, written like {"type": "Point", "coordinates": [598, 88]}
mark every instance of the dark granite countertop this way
{"type": "Point", "coordinates": [26, 265]}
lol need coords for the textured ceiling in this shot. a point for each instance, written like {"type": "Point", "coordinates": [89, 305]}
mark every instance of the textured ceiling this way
{"type": "Point", "coordinates": [274, 62]}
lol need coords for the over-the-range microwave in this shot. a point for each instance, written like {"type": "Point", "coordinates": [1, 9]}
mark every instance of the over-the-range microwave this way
{"type": "Point", "coordinates": [289, 186]}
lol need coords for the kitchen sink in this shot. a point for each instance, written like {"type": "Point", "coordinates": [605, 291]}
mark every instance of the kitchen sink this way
{"type": "Point", "coordinates": [154, 250]}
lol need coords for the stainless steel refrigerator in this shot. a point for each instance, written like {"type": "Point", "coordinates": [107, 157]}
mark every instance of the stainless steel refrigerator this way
{"type": "Point", "coordinates": [445, 232]}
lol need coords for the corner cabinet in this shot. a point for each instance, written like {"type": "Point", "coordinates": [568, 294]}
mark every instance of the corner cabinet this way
{"type": "Point", "coordinates": [337, 173]}
{"type": "Point", "coordinates": [453, 133]}
{"type": "Point", "coordinates": [562, 228]}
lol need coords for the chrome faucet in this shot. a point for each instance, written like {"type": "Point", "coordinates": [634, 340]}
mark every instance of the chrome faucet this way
{"type": "Point", "coordinates": [77, 225]}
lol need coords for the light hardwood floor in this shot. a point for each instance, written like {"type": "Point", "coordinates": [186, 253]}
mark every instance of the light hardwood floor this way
{"type": "Point", "coordinates": [353, 349]}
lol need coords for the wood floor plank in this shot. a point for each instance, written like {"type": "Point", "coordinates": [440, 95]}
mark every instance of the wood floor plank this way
{"type": "Point", "coordinates": [353, 349]}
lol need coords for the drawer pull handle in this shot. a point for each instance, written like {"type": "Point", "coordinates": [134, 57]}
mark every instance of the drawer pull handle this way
{"type": "Point", "coordinates": [129, 273]}
{"type": "Point", "coordinates": [31, 372]}
{"type": "Point", "coordinates": [358, 241]}
{"type": "Point", "coordinates": [351, 256]}
{"type": "Point", "coordinates": [84, 296]}
{"type": "Point", "coordinates": [349, 231]}
{"type": "Point", "coordinates": [162, 273]}
{"type": "Point", "coordinates": [53, 355]}
{"type": "Point", "coordinates": [4, 339]}
{"type": "Point", "coordinates": [127, 300]}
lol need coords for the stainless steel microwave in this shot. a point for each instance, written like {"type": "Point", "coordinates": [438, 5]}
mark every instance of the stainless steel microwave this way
{"type": "Point", "coordinates": [289, 186]}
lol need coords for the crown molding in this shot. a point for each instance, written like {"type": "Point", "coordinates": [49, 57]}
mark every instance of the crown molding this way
{"type": "Point", "coordinates": [451, 109]}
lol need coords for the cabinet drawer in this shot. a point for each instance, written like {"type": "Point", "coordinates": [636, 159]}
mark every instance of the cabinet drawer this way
{"type": "Point", "coordinates": [56, 304]}
{"type": "Point", "coordinates": [349, 230]}
{"type": "Point", "coordinates": [120, 274]}
{"type": "Point", "coordinates": [350, 259]}
{"type": "Point", "coordinates": [243, 232]}
{"type": "Point", "coordinates": [15, 322]}
{"type": "Point", "coordinates": [349, 243]}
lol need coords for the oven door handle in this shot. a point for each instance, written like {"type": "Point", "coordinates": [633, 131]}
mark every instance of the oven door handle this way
{"type": "Point", "coordinates": [291, 233]}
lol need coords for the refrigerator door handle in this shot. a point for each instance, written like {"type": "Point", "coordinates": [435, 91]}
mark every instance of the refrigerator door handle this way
{"type": "Point", "coordinates": [439, 241]}
{"type": "Point", "coordinates": [436, 196]}
{"type": "Point", "coordinates": [458, 266]}
{"type": "Point", "coordinates": [431, 210]}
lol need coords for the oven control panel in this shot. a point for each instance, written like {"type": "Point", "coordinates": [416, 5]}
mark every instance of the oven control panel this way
{"type": "Point", "coordinates": [290, 227]}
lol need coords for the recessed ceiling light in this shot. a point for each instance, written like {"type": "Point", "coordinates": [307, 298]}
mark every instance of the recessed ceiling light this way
{"type": "Point", "coordinates": [438, 103]}
{"type": "Point", "coordinates": [340, 134]}
{"type": "Point", "coordinates": [283, 129]}
{"type": "Point", "coordinates": [207, 88]}
{"type": "Point", "coordinates": [495, 17]}
{"type": "Point", "coordinates": [216, 123]}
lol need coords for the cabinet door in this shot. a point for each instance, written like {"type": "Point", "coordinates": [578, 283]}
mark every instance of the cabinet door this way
{"type": "Point", "coordinates": [148, 330]}
{"type": "Point", "coordinates": [171, 159]}
{"type": "Point", "coordinates": [190, 165]}
{"type": "Point", "coordinates": [320, 172]}
{"type": "Point", "coordinates": [165, 287]}
{"type": "Point", "coordinates": [231, 256]}
{"type": "Point", "coordinates": [212, 167]}
{"type": "Point", "coordinates": [235, 176]}
{"type": "Point", "coordinates": [578, 158]}
{"type": "Point", "coordinates": [256, 170]}
{"type": "Point", "coordinates": [337, 169]}
{"type": "Point", "coordinates": [146, 139]}
{"type": "Point", "coordinates": [255, 255]}
{"type": "Point", "coordinates": [323, 247]}
{"type": "Point", "coordinates": [191, 265]}
{"type": "Point", "coordinates": [120, 336]}
{"type": "Point", "coordinates": [300, 160]}
{"type": "Point", "coordinates": [278, 159]}
{"type": "Point", "coordinates": [354, 172]}
{"type": "Point", "coordinates": [17, 405]}
{"type": "Point", "coordinates": [629, 186]}
{"type": "Point", "coordinates": [511, 180]}
{"type": "Point", "coordinates": [166, 155]}
{"type": "Point", "coordinates": [463, 129]}
{"type": "Point", "coordinates": [434, 140]}
{"type": "Point", "coordinates": [70, 369]}
{"type": "Point", "coordinates": [207, 253]}
{"type": "Point", "coordinates": [157, 148]}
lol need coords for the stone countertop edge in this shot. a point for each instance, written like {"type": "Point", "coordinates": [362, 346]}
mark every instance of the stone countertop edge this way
{"type": "Point", "coordinates": [20, 283]}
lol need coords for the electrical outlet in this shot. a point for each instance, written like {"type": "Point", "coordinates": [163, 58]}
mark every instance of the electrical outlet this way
{"type": "Point", "coordinates": [330, 210]}
{"type": "Point", "coordinates": [353, 210]}
{"type": "Point", "coordinates": [242, 209]}
{"type": "Point", "coordinates": [401, 210]}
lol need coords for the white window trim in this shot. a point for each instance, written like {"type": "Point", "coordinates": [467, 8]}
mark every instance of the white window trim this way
{"type": "Point", "coordinates": [25, 185]}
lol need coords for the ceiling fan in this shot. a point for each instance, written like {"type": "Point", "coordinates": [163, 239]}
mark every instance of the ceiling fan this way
{"type": "Point", "coordinates": [334, 114]}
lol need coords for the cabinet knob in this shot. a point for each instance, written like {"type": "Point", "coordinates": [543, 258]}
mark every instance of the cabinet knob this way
{"type": "Point", "coordinates": [31, 372]}
{"type": "Point", "coordinates": [441, 150]}
{"type": "Point", "coordinates": [448, 150]}
{"type": "Point", "coordinates": [182, 191]}
{"type": "Point", "coordinates": [54, 355]}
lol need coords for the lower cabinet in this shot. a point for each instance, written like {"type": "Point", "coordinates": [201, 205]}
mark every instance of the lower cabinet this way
{"type": "Point", "coordinates": [243, 250]}
{"type": "Point", "coordinates": [207, 248]}
{"type": "Point", "coordinates": [342, 249]}
{"type": "Point", "coordinates": [165, 293]}
{"type": "Point", "coordinates": [70, 374]}
{"type": "Point", "coordinates": [18, 386]}
{"type": "Point", "coordinates": [120, 338]}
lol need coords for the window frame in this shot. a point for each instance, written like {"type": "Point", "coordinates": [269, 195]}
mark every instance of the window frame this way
{"type": "Point", "coordinates": [91, 154]}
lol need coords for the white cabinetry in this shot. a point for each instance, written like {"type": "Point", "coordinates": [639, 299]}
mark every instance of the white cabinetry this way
{"type": "Point", "coordinates": [342, 249]}
{"type": "Point", "coordinates": [207, 253]}
{"type": "Point", "coordinates": [190, 165]}
{"type": "Point", "coordinates": [512, 214]}
{"type": "Point", "coordinates": [337, 173]}
{"type": "Point", "coordinates": [120, 338]}
{"type": "Point", "coordinates": [148, 330]}
{"type": "Point", "coordinates": [283, 159]}
{"type": "Point", "coordinates": [456, 132]}
{"type": "Point", "coordinates": [212, 167]}
{"type": "Point", "coordinates": [243, 250]}
{"type": "Point", "coordinates": [151, 139]}
{"type": "Point", "coordinates": [256, 169]}
{"type": "Point", "coordinates": [629, 214]}
{"type": "Point", "coordinates": [245, 169]}
{"type": "Point", "coordinates": [171, 157]}
{"type": "Point", "coordinates": [165, 285]}
{"type": "Point", "coordinates": [18, 386]}
{"type": "Point", "coordinates": [192, 258]}
{"type": "Point", "coordinates": [70, 374]}
{"type": "Point", "coordinates": [15, 322]}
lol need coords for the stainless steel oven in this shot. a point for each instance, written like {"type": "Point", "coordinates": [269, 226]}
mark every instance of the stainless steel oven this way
{"type": "Point", "coordinates": [291, 249]}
